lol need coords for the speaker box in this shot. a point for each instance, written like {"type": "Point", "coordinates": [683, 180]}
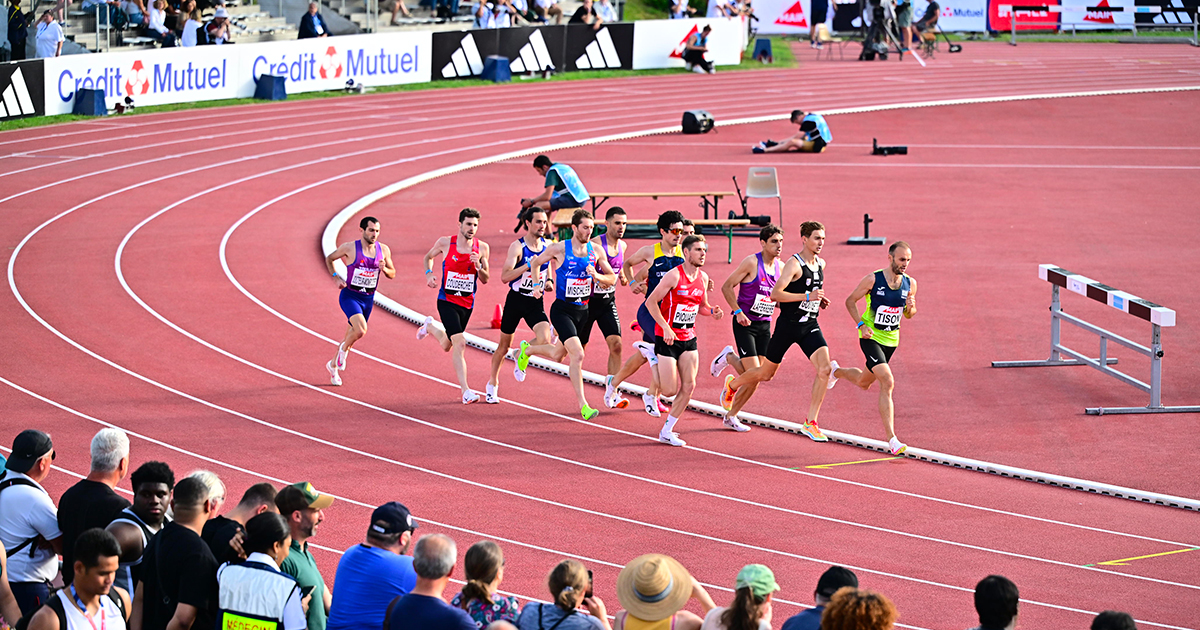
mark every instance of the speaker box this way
{"type": "Point", "coordinates": [697, 121]}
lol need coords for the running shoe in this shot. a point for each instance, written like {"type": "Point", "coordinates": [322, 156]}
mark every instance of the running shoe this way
{"type": "Point", "coordinates": [733, 422]}
{"type": "Point", "coordinates": [720, 362]}
{"type": "Point", "coordinates": [671, 438]}
{"type": "Point", "coordinates": [587, 412]}
{"type": "Point", "coordinates": [424, 328]}
{"type": "Point", "coordinates": [664, 406]}
{"type": "Point", "coordinates": [334, 377]}
{"type": "Point", "coordinates": [727, 393]}
{"type": "Point", "coordinates": [647, 351]}
{"type": "Point", "coordinates": [523, 359]}
{"type": "Point", "coordinates": [770, 143]}
{"type": "Point", "coordinates": [470, 397]}
{"type": "Point", "coordinates": [896, 447]}
{"type": "Point", "coordinates": [341, 359]}
{"type": "Point", "coordinates": [492, 397]}
{"type": "Point", "coordinates": [813, 431]}
{"type": "Point", "coordinates": [616, 401]}
{"type": "Point", "coordinates": [651, 403]}
{"type": "Point", "coordinates": [758, 148]}
{"type": "Point", "coordinates": [833, 379]}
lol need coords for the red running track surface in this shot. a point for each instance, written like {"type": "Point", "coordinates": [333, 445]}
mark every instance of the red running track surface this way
{"type": "Point", "coordinates": [145, 328]}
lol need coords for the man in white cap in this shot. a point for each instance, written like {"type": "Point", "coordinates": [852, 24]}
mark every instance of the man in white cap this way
{"type": "Point", "coordinates": [218, 27]}
{"type": "Point", "coordinates": [655, 587]}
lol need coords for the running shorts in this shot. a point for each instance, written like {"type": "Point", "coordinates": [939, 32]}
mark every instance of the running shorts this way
{"type": "Point", "coordinates": [602, 311]}
{"type": "Point", "coordinates": [875, 352]}
{"type": "Point", "coordinates": [674, 350]}
{"type": "Point", "coordinates": [752, 340]}
{"type": "Point", "coordinates": [519, 307]}
{"type": "Point", "coordinates": [646, 321]}
{"type": "Point", "coordinates": [454, 317]}
{"type": "Point", "coordinates": [568, 319]}
{"type": "Point", "coordinates": [355, 303]}
{"type": "Point", "coordinates": [807, 336]}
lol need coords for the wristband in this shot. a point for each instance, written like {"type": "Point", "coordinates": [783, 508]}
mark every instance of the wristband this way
{"type": "Point", "coordinates": [807, 294]}
{"type": "Point", "coordinates": [428, 271]}
{"type": "Point", "coordinates": [861, 324]}
{"type": "Point", "coordinates": [335, 275]}
{"type": "Point", "coordinates": [737, 312]}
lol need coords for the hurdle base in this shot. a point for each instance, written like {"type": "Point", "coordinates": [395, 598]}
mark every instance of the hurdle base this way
{"type": "Point", "coordinates": [1105, 411]}
{"type": "Point", "coordinates": [867, 240]}
{"type": "Point", "coordinates": [1007, 364]}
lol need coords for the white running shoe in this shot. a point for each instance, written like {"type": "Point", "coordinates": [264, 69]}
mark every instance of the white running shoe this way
{"type": "Point", "coordinates": [735, 423]}
{"type": "Point", "coordinates": [424, 328]}
{"type": "Point", "coordinates": [721, 362]}
{"type": "Point", "coordinates": [647, 351]}
{"type": "Point", "coordinates": [341, 359]}
{"type": "Point", "coordinates": [896, 447]}
{"type": "Point", "coordinates": [334, 377]}
{"type": "Point", "coordinates": [671, 438]}
{"type": "Point", "coordinates": [651, 403]}
{"type": "Point", "coordinates": [493, 397]}
{"type": "Point", "coordinates": [616, 401]}
{"type": "Point", "coordinates": [470, 397]}
{"type": "Point", "coordinates": [832, 379]}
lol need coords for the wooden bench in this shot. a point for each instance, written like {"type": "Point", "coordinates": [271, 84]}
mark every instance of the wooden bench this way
{"type": "Point", "coordinates": [707, 199]}
{"type": "Point", "coordinates": [562, 222]}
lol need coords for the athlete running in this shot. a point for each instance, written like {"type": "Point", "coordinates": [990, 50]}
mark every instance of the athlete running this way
{"type": "Point", "coordinates": [367, 258]}
{"type": "Point", "coordinates": [801, 296]}
{"type": "Point", "coordinates": [521, 303]}
{"type": "Point", "coordinates": [580, 266]}
{"type": "Point", "coordinates": [890, 293]}
{"type": "Point", "coordinates": [465, 260]}
{"type": "Point", "coordinates": [659, 258]}
{"type": "Point", "coordinates": [748, 292]}
{"type": "Point", "coordinates": [675, 302]}
{"type": "Point", "coordinates": [602, 308]}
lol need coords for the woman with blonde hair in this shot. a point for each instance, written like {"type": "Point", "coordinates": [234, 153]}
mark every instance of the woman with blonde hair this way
{"type": "Point", "coordinates": [854, 609]}
{"type": "Point", "coordinates": [568, 584]}
{"type": "Point", "coordinates": [751, 607]}
{"type": "Point", "coordinates": [653, 590]}
{"type": "Point", "coordinates": [484, 566]}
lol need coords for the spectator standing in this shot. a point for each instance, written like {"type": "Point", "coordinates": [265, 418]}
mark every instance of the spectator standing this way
{"type": "Point", "coordinates": [216, 489]}
{"type": "Point", "coordinates": [606, 11]}
{"type": "Point", "coordinates": [49, 37]}
{"type": "Point", "coordinates": [29, 520]}
{"type": "Point", "coordinates": [91, 598]}
{"type": "Point", "coordinates": [312, 24]}
{"type": "Point", "coordinates": [136, 525]}
{"type": "Point", "coordinates": [92, 502]}
{"type": "Point", "coordinates": [693, 52]}
{"type": "Point", "coordinates": [221, 531]}
{"type": "Point", "coordinates": [586, 14]}
{"type": "Point", "coordinates": [303, 508]}
{"type": "Point", "coordinates": [484, 568]}
{"type": "Point", "coordinates": [996, 599]}
{"type": "Point", "coordinates": [256, 590]}
{"type": "Point", "coordinates": [568, 584]}
{"type": "Point", "coordinates": [18, 30]}
{"type": "Point", "coordinates": [654, 588]}
{"type": "Point", "coordinates": [830, 582]}
{"type": "Point", "coordinates": [191, 25]}
{"type": "Point", "coordinates": [372, 574]}
{"type": "Point", "coordinates": [178, 586]}
{"type": "Point", "coordinates": [854, 609]}
{"type": "Point", "coordinates": [680, 9]}
{"type": "Point", "coordinates": [719, 8]}
{"type": "Point", "coordinates": [751, 608]}
{"type": "Point", "coordinates": [1113, 620]}
{"type": "Point", "coordinates": [423, 608]}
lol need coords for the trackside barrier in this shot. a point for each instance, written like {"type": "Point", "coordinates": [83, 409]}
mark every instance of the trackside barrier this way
{"type": "Point", "coordinates": [1158, 316]}
{"type": "Point", "coordinates": [1012, 10]}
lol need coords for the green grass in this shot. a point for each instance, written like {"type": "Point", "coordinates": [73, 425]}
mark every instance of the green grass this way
{"type": "Point", "coordinates": [783, 59]}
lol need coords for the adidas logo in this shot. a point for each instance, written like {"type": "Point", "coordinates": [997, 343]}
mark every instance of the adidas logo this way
{"type": "Point", "coordinates": [535, 57]}
{"type": "Point", "coordinates": [465, 61]}
{"type": "Point", "coordinates": [600, 53]}
{"type": "Point", "coordinates": [16, 101]}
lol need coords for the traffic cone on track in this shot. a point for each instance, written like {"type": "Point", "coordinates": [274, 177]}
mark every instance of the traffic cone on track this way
{"type": "Point", "coordinates": [496, 317]}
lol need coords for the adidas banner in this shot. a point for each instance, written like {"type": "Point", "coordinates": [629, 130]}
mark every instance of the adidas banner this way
{"type": "Point", "coordinates": [460, 54]}
{"type": "Point", "coordinates": [609, 48]}
{"type": "Point", "coordinates": [21, 89]}
{"type": "Point", "coordinates": [534, 48]}
{"type": "Point", "coordinates": [1173, 11]}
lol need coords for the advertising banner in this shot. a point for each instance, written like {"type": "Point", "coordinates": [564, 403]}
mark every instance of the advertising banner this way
{"type": "Point", "coordinates": [660, 43]}
{"type": "Point", "coordinates": [458, 54]}
{"type": "Point", "coordinates": [1026, 20]}
{"type": "Point", "coordinates": [1099, 19]}
{"type": "Point", "coordinates": [780, 17]}
{"type": "Point", "coordinates": [533, 48]}
{"type": "Point", "coordinates": [959, 16]}
{"type": "Point", "coordinates": [610, 48]}
{"type": "Point", "coordinates": [22, 92]}
{"type": "Point", "coordinates": [327, 63]}
{"type": "Point", "coordinates": [1173, 11]}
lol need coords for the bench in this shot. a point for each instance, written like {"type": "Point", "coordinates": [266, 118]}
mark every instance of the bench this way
{"type": "Point", "coordinates": [562, 222]}
{"type": "Point", "coordinates": [707, 199]}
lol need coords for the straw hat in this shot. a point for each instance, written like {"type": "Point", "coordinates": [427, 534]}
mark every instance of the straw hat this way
{"type": "Point", "coordinates": [653, 587]}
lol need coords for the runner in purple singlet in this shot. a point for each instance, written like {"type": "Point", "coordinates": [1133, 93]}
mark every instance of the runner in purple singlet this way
{"type": "Point", "coordinates": [602, 308]}
{"type": "Point", "coordinates": [367, 258]}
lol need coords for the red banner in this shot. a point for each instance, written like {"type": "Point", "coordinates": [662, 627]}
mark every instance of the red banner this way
{"type": "Point", "coordinates": [1026, 20]}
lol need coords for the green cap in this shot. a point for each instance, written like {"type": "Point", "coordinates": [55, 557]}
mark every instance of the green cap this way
{"type": "Point", "coordinates": [758, 578]}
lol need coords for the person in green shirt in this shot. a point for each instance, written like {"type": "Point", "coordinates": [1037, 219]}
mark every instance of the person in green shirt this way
{"type": "Point", "coordinates": [304, 509]}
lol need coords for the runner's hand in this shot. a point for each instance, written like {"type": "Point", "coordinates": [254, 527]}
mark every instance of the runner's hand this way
{"type": "Point", "coordinates": [638, 287]}
{"type": "Point", "coordinates": [818, 295]}
{"type": "Point", "coordinates": [431, 281]}
{"type": "Point", "coordinates": [742, 320]}
{"type": "Point", "coordinates": [549, 285]}
{"type": "Point", "coordinates": [622, 280]}
{"type": "Point", "coordinates": [475, 258]}
{"type": "Point", "coordinates": [711, 284]}
{"type": "Point", "coordinates": [717, 313]}
{"type": "Point", "coordinates": [911, 302]}
{"type": "Point", "coordinates": [866, 331]}
{"type": "Point", "coordinates": [668, 336]}
{"type": "Point", "coordinates": [341, 283]}
{"type": "Point", "coordinates": [591, 271]}
{"type": "Point", "coordinates": [537, 294]}
{"type": "Point", "coordinates": [825, 302]}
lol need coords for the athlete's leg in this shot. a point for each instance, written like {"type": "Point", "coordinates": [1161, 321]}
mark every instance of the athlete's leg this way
{"type": "Point", "coordinates": [688, 364]}
{"type": "Point", "coordinates": [820, 361]}
{"type": "Point", "coordinates": [575, 369]}
{"type": "Point", "coordinates": [860, 378]}
{"type": "Point", "coordinates": [795, 142]}
{"type": "Point", "coordinates": [458, 345]}
{"type": "Point", "coordinates": [553, 351]}
{"type": "Point", "coordinates": [668, 376]}
{"type": "Point", "coordinates": [635, 363]}
{"type": "Point", "coordinates": [614, 353]}
{"type": "Point", "coordinates": [749, 385]}
{"type": "Point", "coordinates": [439, 333]}
{"type": "Point", "coordinates": [542, 332]}
{"type": "Point", "coordinates": [355, 331]}
{"type": "Point", "coordinates": [498, 356]}
{"type": "Point", "coordinates": [744, 364]}
{"type": "Point", "coordinates": [883, 372]}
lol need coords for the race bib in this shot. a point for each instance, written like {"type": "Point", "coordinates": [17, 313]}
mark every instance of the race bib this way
{"type": "Point", "coordinates": [577, 288]}
{"type": "Point", "coordinates": [685, 315]}
{"type": "Point", "coordinates": [364, 278]}
{"type": "Point", "coordinates": [763, 306]}
{"type": "Point", "coordinates": [600, 289]}
{"type": "Point", "coordinates": [888, 316]}
{"type": "Point", "coordinates": [811, 307]}
{"type": "Point", "coordinates": [526, 283]}
{"type": "Point", "coordinates": [461, 283]}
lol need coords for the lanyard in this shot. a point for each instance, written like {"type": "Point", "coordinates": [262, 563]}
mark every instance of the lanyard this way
{"type": "Point", "coordinates": [79, 602]}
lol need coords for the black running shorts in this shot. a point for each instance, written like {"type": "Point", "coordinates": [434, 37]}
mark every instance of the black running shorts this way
{"type": "Point", "coordinates": [674, 350]}
{"type": "Point", "coordinates": [454, 317]}
{"type": "Point", "coordinates": [752, 340]}
{"type": "Point", "coordinates": [602, 311]}
{"type": "Point", "coordinates": [517, 307]}
{"type": "Point", "coordinates": [875, 352]}
{"type": "Point", "coordinates": [808, 336]}
{"type": "Point", "coordinates": [568, 319]}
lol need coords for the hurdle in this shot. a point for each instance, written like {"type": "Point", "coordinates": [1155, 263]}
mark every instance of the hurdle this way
{"type": "Point", "coordinates": [1158, 316]}
{"type": "Point", "coordinates": [1054, 8]}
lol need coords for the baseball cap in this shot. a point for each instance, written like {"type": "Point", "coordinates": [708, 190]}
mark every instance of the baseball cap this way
{"type": "Point", "coordinates": [758, 578]}
{"type": "Point", "coordinates": [29, 446]}
{"type": "Point", "coordinates": [835, 578]}
{"type": "Point", "coordinates": [301, 495]}
{"type": "Point", "coordinates": [392, 518]}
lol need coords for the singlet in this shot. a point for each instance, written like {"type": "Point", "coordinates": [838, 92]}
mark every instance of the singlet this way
{"type": "Point", "coordinates": [809, 281]}
{"type": "Point", "coordinates": [885, 309]}
{"type": "Point", "coordinates": [754, 297]}
{"type": "Point", "coordinates": [362, 275]}
{"type": "Point", "coordinates": [570, 181]}
{"type": "Point", "coordinates": [682, 305]}
{"type": "Point", "coordinates": [573, 285]}
{"type": "Point", "coordinates": [108, 616]}
{"type": "Point", "coordinates": [660, 265]}
{"type": "Point", "coordinates": [127, 575]}
{"type": "Point", "coordinates": [524, 284]}
{"type": "Point", "coordinates": [458, 275]}
{"type": "Point", "coordinates": [627, 622]}
{"type": "Point", "coordinates": [822, 127]}
{"type": "Point", "coordinates": [614, 261]}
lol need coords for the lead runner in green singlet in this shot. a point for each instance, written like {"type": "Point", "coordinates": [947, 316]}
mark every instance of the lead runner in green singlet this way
{"type": "Point", "coordinates": [891, 295]}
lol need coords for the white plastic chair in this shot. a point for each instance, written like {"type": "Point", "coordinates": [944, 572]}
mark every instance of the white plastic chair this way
{"type": "Point", "coordinates": [762, 183]}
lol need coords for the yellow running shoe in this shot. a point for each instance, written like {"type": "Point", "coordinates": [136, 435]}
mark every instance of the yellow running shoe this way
{"type": "Point", "coordinates": [587, 412]}
{"type": "Point", "coordinates": [813, 432]}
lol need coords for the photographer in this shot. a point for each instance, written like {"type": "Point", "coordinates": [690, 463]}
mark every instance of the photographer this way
{"type": "Point", "coordinates": [693, 53]}
{"type": "Point", "coordinates": [813, 136]}
{"type": "Point", "coordinates": [904, 14]}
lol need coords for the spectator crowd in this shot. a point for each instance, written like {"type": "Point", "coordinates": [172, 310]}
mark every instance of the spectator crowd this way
{"type": "Point", "coordinates": [175, 558]}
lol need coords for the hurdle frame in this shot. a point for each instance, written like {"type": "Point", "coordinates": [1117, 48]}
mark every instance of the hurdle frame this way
{"type": "Point", "coordinates": [1051, 8]}
{"type": "Point", "coordinates": [1158, 316]}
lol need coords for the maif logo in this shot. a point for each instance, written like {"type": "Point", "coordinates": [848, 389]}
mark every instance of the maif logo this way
{"type": "Point", "coordinates": [331, 68]}
{"type": "Point", "coordinates": [793, 17]}
{"type": "Point", "coordinates": [682, 45]}
{"type": "Point", "coordinates": [139, 80]}
{"type": "Point", "coordinates": [1100, 17]}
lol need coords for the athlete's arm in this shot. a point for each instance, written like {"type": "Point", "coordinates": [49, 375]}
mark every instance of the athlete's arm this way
{"type": "Point", "coordinates": [730, 288]}
{"type": "Point", "coordinates": [129, 537]}
{"type": "Point", "coordinates": [389, 269]}
{"type": "Point", "coordinates": [44, 619]}
{"type": "Point", "coordinates": [135, 612]}
{"type": "Point", "coordinates": [8, 603]}
{"type": "Point", "coordinates": [481, 262]}
{"type": "Point", "coordinates": [791, 271]}
{"type": "Point", "coordinates": [510, 271]}
{"type": "Point", "coordinates": [705, 307]}
{"type": "Point", "coordinates": [910, 305]}
{"type": "Point", "coordinates": [622, 277]}
{"type": "Point", "coordinates": [656, 296]}
{"type": "Point", "coordinates": [439, 249]}
{"type": "Point", "coordinates": [341, 253]}
{"type": "Point", "coordinates": [642, 255]}
{"type": "Point", "coordinates": [603, 272]}
{"type": "Point", "coordinates": [185, 616]}
{"type": "Point", "coordinates": [860, 292]}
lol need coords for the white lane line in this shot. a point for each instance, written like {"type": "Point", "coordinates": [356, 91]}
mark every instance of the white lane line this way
{"type": "Point", "coordinates": [888, 163]}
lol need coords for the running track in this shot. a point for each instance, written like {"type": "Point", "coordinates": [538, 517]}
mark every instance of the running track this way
{"type": "Point", "coordinates": [150, 328]}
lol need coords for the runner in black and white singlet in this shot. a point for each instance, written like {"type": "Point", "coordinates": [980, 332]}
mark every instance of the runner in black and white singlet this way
{"type": "Point", "coordinates": [520, 304]}
{"type": "Point", "coordinates": [891, 294]}
{"type": "Point", "coordinates": [136, 525]}
{"type": "Point", "coordinates": [464, 266]}
{"type": "Point", "coordinates": [800, 292]}
{"type": "Point", "coordinates": [367, 259]}
{"type": "Point", "coordinates": [602, 308]}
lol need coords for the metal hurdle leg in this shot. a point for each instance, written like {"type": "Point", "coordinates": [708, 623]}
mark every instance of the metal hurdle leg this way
{"type": "Point", "coordinates": [1155, 352]}
{"type": "Point", "coordinates": [1056, 346]}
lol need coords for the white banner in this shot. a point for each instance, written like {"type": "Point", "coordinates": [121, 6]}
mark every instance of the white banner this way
{"type": "Point", "coordinates": [660, 43]}
{"type": "Point", "coordinates": [1085, 20]}
{"type": "Point", "coordinates": [957, 16]}
{"type": "Point", "coordinates": [780, 17]}
{"type": "Point", "coordinates": [203, 73]}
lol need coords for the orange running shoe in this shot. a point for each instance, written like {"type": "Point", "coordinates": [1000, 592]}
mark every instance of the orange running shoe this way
{"type": "Point", "coordinates": [727, 394]}
{"type": "Point", "coordinates": [813, 432]}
